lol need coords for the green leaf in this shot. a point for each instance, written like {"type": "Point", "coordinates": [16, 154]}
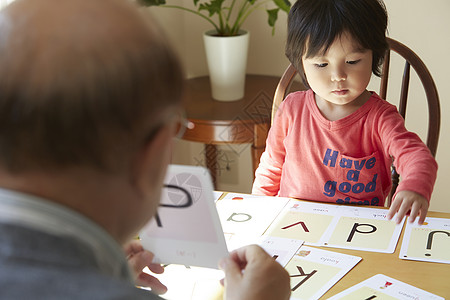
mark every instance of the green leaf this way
{"type": "Point", "coordinates": [273, 16]}
{"type": "Point", "coordinates": [214, 7]}
{"type": "Point", "coordinates": [227, 20]}
{"type": "Point", "coordinates": [285, 5]}
{"type": "Point", "coordinates": [152, 2]}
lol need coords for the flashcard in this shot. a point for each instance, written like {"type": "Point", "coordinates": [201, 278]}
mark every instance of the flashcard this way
{"type": "Point", "coordinates": [281, 249]}
{"type": "Point", "coordinates": [190, 283]}
{"type": "Point", "coordinates": [365, 229]}
{"type": "Point", "coordinates": [249, 215]}
{"type": "Point", "coordinates": [217, 195]}
{"type": "Point", "coordinates": [306, 221]}
{"type": "Point", "coordinates": [186, 229]}
{"type": "Point", "coordinates": [238, 196]}
{"type": "Point", "coordinates": [427, 242]}
{"type": "Point", "coordinates": [235, 241]}
{"type": "Point", "coordinates": [384, 288]}
{"type": "Point", "coordinates": [314, 271]}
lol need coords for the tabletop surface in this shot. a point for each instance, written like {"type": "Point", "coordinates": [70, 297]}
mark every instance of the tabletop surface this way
{"type": "Point", "coordinates": [429, 276]}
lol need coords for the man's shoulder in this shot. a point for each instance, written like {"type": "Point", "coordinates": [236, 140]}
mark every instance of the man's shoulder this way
{"type": "Point", "coordinates": [19, 280]}
{"type": "Point", "coordinates": [63, 269]}
{"type": "Point", "coordinates": [64, 285]}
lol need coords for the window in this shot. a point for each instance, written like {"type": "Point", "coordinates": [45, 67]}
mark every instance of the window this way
{"type": "Point", "coordinates": [5, 2]}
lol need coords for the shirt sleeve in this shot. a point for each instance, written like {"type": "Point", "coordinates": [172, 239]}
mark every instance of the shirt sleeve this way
{"type": "Point", "coordinates": [268, 174]}
{"type": "Point", "coordinates": [412, 158]}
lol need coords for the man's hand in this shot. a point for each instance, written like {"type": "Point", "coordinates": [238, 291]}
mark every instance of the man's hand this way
{"type": "Point", "coordinates": [139, 258]}
{"type": "Point", "coordinates": [252, 274]}
{"type": "Point", "coordinates": [407, 201]}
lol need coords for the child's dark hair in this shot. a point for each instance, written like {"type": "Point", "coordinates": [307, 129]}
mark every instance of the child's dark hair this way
{"type": "Point", "coordinates": [313, 25]}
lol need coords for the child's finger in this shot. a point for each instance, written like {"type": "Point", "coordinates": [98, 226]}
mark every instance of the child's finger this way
{"type": "Point", "coordinates": [423, 214]}
{"type": "Point", "coordinates": [422, 218]}
{"type": "Point", "coordinates": [393, 209]}
{"type": "Point", "coordinates": [415, 209]}
{"type": "Point", "coordinates": [404, 208]}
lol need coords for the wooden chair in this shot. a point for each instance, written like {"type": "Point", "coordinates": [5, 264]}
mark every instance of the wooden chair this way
{"type": "Point", "coordinates": [411, 59]}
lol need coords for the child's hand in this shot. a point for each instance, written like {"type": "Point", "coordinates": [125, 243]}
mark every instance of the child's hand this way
{"type": "Point", "coordinates": [407, 201]}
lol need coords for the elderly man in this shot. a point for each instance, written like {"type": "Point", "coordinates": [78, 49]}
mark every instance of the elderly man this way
{"type": "Point", "coordinates": [89, 103]}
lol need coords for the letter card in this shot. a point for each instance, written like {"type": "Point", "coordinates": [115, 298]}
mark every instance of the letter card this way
{"type": "Point", "coordinates": [248, 215]}
{"type": "Point", "coordinates": [217, 195]}
{"type": "Point", "coordinates": [383, 287]}
{"type": "Point", "coordinates": [186, 229]}
{"type": "Point", "coordinates": [427, 242]}
{"type": "Point", "coordinates": [237, 196]}
{"type": "Point", "coordinates": [314, 271]}
{"type": "Point", "coordinates": [190, 283]}
{"type": "Point", "coordinates": [281, 249]}
{"type": "Point", "coordinates": [306, 221]}
{"type": "Point", "coordinates": [365, 229]}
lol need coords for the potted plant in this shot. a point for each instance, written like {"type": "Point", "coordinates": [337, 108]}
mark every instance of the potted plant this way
{"type": "Point", "coordinates": [228, 16]}
{"type": "Point", "coordinates": [226, 44]}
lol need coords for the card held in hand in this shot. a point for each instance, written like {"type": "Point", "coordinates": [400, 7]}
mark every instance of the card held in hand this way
{"type": "Point", "coordinates": [186, 229]}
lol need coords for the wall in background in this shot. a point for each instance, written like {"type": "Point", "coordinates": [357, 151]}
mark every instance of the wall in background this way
{"type": "Point", "coordinates": [423, 27]}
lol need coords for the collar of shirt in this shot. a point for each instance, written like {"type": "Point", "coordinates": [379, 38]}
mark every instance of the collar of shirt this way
{"type": "Point", "coordinates": [40, 214]}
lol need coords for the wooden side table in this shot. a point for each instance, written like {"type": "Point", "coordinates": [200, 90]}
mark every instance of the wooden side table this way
{"type": "Point", "coordinates": [245, 121]}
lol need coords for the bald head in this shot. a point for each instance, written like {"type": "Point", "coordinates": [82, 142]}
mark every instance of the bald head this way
{"type": "Point", "coordinates": [78, 76]}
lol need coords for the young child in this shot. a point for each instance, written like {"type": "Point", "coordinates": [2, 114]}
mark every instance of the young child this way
{"type": "Point", "coordinates": [336, 141]}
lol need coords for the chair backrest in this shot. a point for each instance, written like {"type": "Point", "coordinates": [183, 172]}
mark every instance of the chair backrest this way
{"type": "Point", "coordinates": [411, 59]}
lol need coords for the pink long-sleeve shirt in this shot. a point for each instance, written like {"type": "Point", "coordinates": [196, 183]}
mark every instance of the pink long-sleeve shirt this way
{"type": "Point", "coordinates": [344, 161]}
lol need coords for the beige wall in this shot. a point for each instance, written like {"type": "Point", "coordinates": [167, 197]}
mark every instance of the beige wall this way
{"type": "Point", "coordinates": [422, 25]}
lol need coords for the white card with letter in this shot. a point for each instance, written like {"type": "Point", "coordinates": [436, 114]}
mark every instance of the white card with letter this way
{"type": "Point", "coordinates": [186, 229]}
{"type": "Point", "coordinates": [427, 242]}
{"type": "Point", "coordinates": [314, 271]}
{"type": "Point", "coordinates": [249, 215]}
{"type": "Point", "coordinates": [365, 229]}
{"type": "Point", "coordinates": [383, 287]}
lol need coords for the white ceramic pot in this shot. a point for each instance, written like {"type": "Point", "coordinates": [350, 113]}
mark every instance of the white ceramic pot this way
{"type": "Point", "coordinates": [227, 64]}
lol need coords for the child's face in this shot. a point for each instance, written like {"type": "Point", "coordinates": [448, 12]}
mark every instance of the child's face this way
{"type": "Point", "coordinates": [342, 74]}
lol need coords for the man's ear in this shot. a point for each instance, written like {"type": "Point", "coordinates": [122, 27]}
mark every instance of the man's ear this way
{"type": "Point", "coordinates": [150, 164]}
